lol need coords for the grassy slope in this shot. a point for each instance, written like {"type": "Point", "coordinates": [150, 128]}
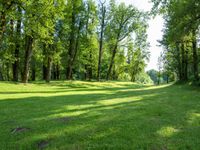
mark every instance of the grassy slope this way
{"type": "Point", "coordinates": [115, 115]}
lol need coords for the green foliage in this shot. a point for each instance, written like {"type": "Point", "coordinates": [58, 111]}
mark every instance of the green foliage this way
{"type": "Point", "coordinates": [180, 40]}
{"type": "Point", "coordinates": [143, 78]}
{"type": "Point", "coordinates": [153, 74]}
{"type": "Point", "coordinates": [60, 39]}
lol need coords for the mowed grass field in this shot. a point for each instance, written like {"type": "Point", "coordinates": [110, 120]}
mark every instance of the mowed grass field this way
{"type": "Point", "coordinates": [99, 116]}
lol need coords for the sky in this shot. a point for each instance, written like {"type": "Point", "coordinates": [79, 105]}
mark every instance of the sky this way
{"type": "Point", "coordinates": [154, 31]}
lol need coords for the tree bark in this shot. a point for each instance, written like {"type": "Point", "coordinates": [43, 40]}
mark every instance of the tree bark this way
{"type": "Point", "coordinates": [112, 61]}
{"type": "Point", "coordinates": [71, 45]}
{"type": "Point", "coordinates": [114, 53]}
{"type": "Point", "coordinates": [57, 72]}
{"type": "Point", "coordinates": [49, 67]}
{"type": "Point", "coordinates": [28, 55]}
{"type": "Point", "coordinates": [33, 70]}
{"type": "Point", "coordinates": [1, 74]}
{"type": "Point", "coordinates": [101, 42]}
{"type": "Point", "coordinates": [44, 71]}
{"type": "Point", "coordinates": [186, 63]}
{"type": "Point", "coordinates": [195, 58]}
{"type": "Point", "coordinates": [17, 47]}
{"type": "Point", "coordinates": [90, 68]}
{"type": "Point", "coordinates": [184, 67]}
{"type": "Point", "coordinates": [74, 44]}
{"type": "Point", "coordinates": [8, 71]}
{"type": "Point", "coordinates": [179, 61]}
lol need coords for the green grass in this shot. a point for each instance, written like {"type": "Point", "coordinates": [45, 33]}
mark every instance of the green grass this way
{"type": "Point", "coordinates": [111, 115]}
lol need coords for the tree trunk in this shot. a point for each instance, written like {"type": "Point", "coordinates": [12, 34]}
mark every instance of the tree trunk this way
{"type": "Point", "coordinates": [11, 46]}
{"type": "Point", "coordinates": [44, 71]}
{"type": "Point", "coordinates": [17, 47]}
{"type": "Point", "coordinates": [49, 66]}
{"type": "Point", "coordinates": [112, 61]}
{"type": "Point", "coordinates": [186, 64]}
{"type": "Point", "coordinates": [8, 71]}
{"type": "Point", "coordinates": [133, 76]}
{"type": "Point", "coordinates": [90, 67]}
{"type": "Point", "coordinates": [33, 71]}
{"type": "Point", "coordinates": [54, 72]}
{"type": "Point", "coordinates": [179, 61]}
{"type": "Point", "coordinates": [195, 58]}
{"type": "Point", "coordinates": [57, 72]}
{"type": "Point", "coordinates": [71, 46]}
{"type": "Point", "coordinates": [28, 55]}
{"type": "Point", "coordinates": [159, 78]}
{"type": "Point", "coordinates": [113, 54]}
{"type": "Point", "coordinates": [73, 52]}
{"type": "Point", "coordinates": [183, 65]}
{"type": "Point", "coordinates": [101, 42]}
{"type": "Point", "coordinates": [167, 76]}
{"type": "Point", "coordinates": [1, 74]}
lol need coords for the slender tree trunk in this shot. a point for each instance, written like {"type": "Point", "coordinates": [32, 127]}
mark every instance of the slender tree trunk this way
{"type": "Point", "coordinates": [11, 46]}
{"type": "Point", "coordinates": [44, 70]}
{"type": "Point", "coordinates": [159, 77]}
{"type": "Point", "coordinates": [179, 61]}
{"type": "Point", "coordinates": [1, 74]}
{"type": "Point", "coordinates": [167, 79]}
{"type": "Point", "coordinates": [8, 71]}
{"type": "Point", "coordinates": [54, 72]}
{"type": "Point", "coordinates": [49, 66]}
{"type": "Point", "coordinates": [186, 64]}
{"type": "Point", "coordinates": [17, 47]}
{"type": "Point", "coordinates": [114, 77]}
{"type": "Point", "coordinates": [184, 74]}
{"type": "Point", "coordinates": [113, 54]}
{"type": "Point", "coordinates": [112, 61]}
{"type": "Point", "coordinates": [71, 45]}
{"type": "Point", "coordinates": [90, 67]}
{"type": "Point", "coordinates": [69, 71]}
{"type": "Point", "coordinates": [57, 72]}
{"type": "Point", "coordinates": [195, 58]}
{"type": "Point", "coordinates": [73, 52]}
{"type": "Point", "coordinates": [133, 77]}
{"type": "Point", "coordinates": [28, 55]}
{"type": "Point", "coordinates": [101, 42]}
{"type": "Point", "coordinates": [33, 70]}
{"type": "Point", "coordinates": [44, 67]}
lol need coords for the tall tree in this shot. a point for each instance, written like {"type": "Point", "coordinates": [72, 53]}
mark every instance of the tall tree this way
{"type": "Point", "coordinates": [102, 20]}
{"type": "Point", "coordinates": [122, 23]}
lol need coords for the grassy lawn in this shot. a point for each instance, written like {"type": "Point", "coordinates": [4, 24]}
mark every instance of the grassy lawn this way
{"type": "Point", "coordinates": [89, 115]}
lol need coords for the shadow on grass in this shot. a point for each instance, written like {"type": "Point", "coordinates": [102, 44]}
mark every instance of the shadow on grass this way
{"type": "Point", "coordinates": [60, 87]}
{"type": "Point", "coordinates": [160, 118]}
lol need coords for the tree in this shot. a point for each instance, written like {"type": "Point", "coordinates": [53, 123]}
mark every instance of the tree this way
{"type": "Point", "coordinates": [73, 39]}
{"type": "Point", "coordinates": [102, 20]}
{"type": "Point", "coordinates": [122, 23]}
{"type": "Point", "coordinates": [182, 24]}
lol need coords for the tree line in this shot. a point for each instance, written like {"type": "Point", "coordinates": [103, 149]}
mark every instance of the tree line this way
{"type": "Point", "coordinates": [71, 39]}
{"type": "Point", "coordinates": [181, 38]}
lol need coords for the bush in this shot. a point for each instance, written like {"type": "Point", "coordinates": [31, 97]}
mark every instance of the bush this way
{"type": "Point", "coordinates": [144, 78]}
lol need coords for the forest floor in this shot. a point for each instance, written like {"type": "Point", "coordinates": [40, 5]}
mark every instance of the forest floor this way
{"type": "Point", "coordinates": [89, 115]}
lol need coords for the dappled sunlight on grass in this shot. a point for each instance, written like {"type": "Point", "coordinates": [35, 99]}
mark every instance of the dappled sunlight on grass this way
{"type": "Point", "coordinates": [111, 115]}
{"type": "Point", "coordinates": [167, 131]}
{"type": "Point", "coordinates": [194, 119]}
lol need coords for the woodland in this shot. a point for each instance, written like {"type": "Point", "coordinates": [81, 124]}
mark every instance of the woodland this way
{"type": "Point", "coordinates": [73, 76]}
